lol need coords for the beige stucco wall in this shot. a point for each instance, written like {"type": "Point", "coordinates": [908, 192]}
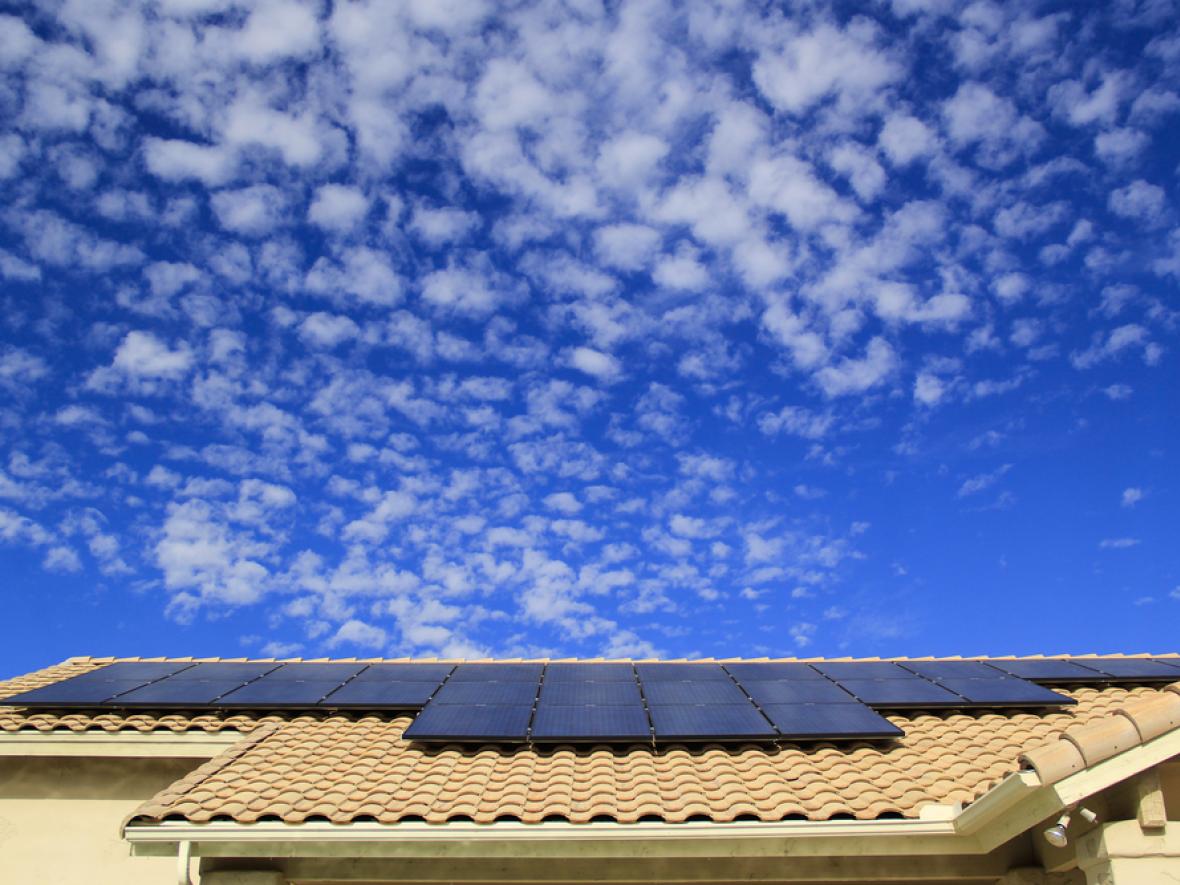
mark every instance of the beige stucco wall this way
{"type": "Point", "coordinates": [60, 817]}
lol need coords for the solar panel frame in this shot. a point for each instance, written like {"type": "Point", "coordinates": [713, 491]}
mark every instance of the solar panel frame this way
{"type": "Point", "coordinates": [799, 691]}
{"type": "Point", "coordinates": [709, 722]}
{"type": "Point", "coordinates": [681, 673]}
{"type": "Point", "coordinates": [940, 670]}
{"type": "Point", "coordinates": [582, 694]}
{"type": "Point", "coordinates": [224, 671]}
{"type": "Point", "coordinates": [1006, 691]}
{"type": "Point", "coordinates": [590, 723]}
{"type": "Point", "coordinates": [830, 721]}
{"type": "Point", "coordinates": [1131, 669]}
{"type": "Point", "coordinates": [497, 673]}
{"type": "Point", "coordinates": [486, 693]}
{"type": "Point", "coordinates": [758, 671]}
{"type": "Point", "coordinates": [455, 723]}
{"type": "Point", "coordinates": [589, 673]}
{"type": "Point", "coordinates": [380, 695]}
{"type": "Point", "coordinates": [706, 691]}
{"type": "Point", "coordinates": [838, 670]}
{"type": "Point", "coordinates": [1049, 670]}
{"type": "Point", "coordinates": [916, 693]}
{"type": "Point", "coordinates": [435, 673]}
{"type": "Point", "coordinates": [185, 694]}
{"type": "Point", "coordinates": [314, 672]}
{"type": "Point", "coordinates": [279, 694]}
{"type": "Point", "coordinates": [68, 693]}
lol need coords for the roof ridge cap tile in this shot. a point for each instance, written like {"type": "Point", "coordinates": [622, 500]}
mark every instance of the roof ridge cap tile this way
{"type": "Point", "coordinates": [1082, 746]}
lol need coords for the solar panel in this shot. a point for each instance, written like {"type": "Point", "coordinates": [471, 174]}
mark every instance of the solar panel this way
{"type": "Point", "coordinates": [381, 695]}
{"type": "Point", "coordinates": [453, 722]}
{"type": "Point", "coordinates": [177, 693]}
{"type": "Point", "coordinates": [279, 693]}
{"type": "Point", "coordinates": [144, 671]}
{"type": "Point", "coordinates": [762, 672]}
{"type": "Point", "coordinates": [577, 694]}
{"type": "Point", "coordinates": [898, 693]}
{"type": "Point", "coordinates": [709, 722]}
{"type": "Point", "coordinates": [585, 723]}
{"type": "Point", "coordinates": [1005, 692]}
{"type": "Point", "coordinates": [1132, 669]}
{"type": "Point", "coordinates": [704, 692]}
{"type": "Point", "coordinates": [497, 673]}
{"type": "Point", "coordinates": [224, 672]}
{"type": "Point", "coordinates": [1049, 670]}
{"type": "Point", "coordinates": [863, 670]}
{"type": "Point", "coordinates": [514, 693]}
{"type": "Point", "coordinates": [681, 673]}
{"type": "Point", "coordinates": [939, 670]}
{"type": "Point", "coordinates": [837, 721]}
{"type": "Point", "coordinates": [799, 691]}
{"type": "Point", "coordinates": [435, 673]}
{"type": "Point", "coordinates": [299, 672]}
{"type": "Point", "coordinates": [73, 692]}
{"type": "Point", "coordinates": [589, 673]}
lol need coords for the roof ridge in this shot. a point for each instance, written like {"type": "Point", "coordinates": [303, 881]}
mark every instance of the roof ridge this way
{"type": "Point", "coordinates": [1129, 726]}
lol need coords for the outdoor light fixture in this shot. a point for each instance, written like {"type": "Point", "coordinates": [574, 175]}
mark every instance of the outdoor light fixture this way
{"type": "Point", "coordinates": [1056, 835]}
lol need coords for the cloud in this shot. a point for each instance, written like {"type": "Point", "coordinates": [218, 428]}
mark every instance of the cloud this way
{"type": "Point", "coordinates": [856, 375]}
{"type": "Point", "coordinates": [905, 138]}
{"type": "Point", "coordinates": [359, 634]}
{"type": "Point", "coordinates": [1118, 543]}
{"type": "Point", "coordinates": [327, 330]}
{"type": "Point", "coordinates": [593, 362]}
{"type": "Point", "coordinates": [143, 355]}
{"type": "Point", "coordinates": [1139, 200]}
{"type": "Point", "coordinates": [983, 481]}
{"type": "Point", "coordinates": [176, 160]}
{"type": "Point", "coordinates": [251, 211]}
{"type": "Point", "coordinates": [337, 207]}
{"type": "Point", "coordinates": [1132, 496]}
{"type": "Point", "coordinates": [797, 421]}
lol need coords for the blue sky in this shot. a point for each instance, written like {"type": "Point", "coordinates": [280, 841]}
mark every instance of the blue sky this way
{"type": "Point", "coordinates": [588, 329]}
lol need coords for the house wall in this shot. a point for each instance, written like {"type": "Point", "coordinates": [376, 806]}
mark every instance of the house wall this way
{"type": "Point", "coordinates": [60, 819]}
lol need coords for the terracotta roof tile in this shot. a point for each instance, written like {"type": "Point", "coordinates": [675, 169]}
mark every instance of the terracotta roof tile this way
{"type": "Point", "coordinates": [339, 769]}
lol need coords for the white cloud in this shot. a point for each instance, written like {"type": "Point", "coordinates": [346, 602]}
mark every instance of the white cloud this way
{"type": "Point", "coordinates": [461, 291]}
{"type": "Point", "coordinates": [439, 226]}
{"type": "Point", "coordinates": [809, 67]}
{"type": "Point", "coordinates": [563, 502]}
{"type": "Point", "coordinates": [327, 330]}
{"type": "Point", "coordinates": [1139, 200]}
{"type": "Point", "coordinates": [905, 138]}
{"type": "Point", "coordinates": [251, 211]}
{"type": "Point", "coordinates": [856, 375]}
{"type": "Point", "coordinates": [277, 30]}
{"type": "Point", "coordinates": [357, 633]}
{"type": "Point", "coordinates": [982, 481]}
{"type": "Point", "coordinates": [626, 246]}
{"type": "Point", "coordinates": [364, 273]}
{"type": "Point", "coordinates": [338, 208]}
{"type": "Point", "coordinates": [1118, 543]}
{"type": "Point", "coordinates": [1132, 496]}
{"type": "Point", "coordinates": [594, 362]}
{"type": "Point", "coordinates": [929, 389]}
{"type": "Point", "coordinates": [797, 421]}
{"type": "Point", "coordinates": [143, 355]}
{"type": "Point", "coordinates": [177, 160]}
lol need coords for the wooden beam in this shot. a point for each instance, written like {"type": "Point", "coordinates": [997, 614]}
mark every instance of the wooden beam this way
{"type": "Point", "coordinates": [1149, 801]}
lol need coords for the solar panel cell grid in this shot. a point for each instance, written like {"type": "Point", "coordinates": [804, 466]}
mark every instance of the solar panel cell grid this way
{"type": "Point", "coordinates": [446, 722]}
{"type": "Point", "coordinates": [144, 671]}
{"type": "Point", "coordinates": [863, 670]}
{"type": "Point", "coordinates": [1048, 670]}
{"type": "Point", "coordinates": [681, 673]}
{"type": "Point", "coordinates": [589, 673]}
{"type": "Point", "coordinates": [800, 691]}
{"type": "Point", "coordinates": [939, 670]}
{"type": "Point", "coordinates": [1131, 669]}
{"type": "Point", "coordinates": [280, 693]}
{"type": "Point", "coordinates": [897, 693]}
{"type": "Point", "coordinates": [515, 693]}
{"type": "Point", "coordinates": [435, 673]}
{"type": "Point", "coordinates": [224, 672]}
{"type": "Point", "coordinates": [1007, 691]}
{"type": "Point", "coordinates": [709, 722]}
{"type": "Point", "coordinates": [830, 720]}
{"type": "Point", "coordinates": [571, 694]}
{"type": "Point", "coordinates": [704, 692]}
{"type": "Point", "coordinates": [760, 672]}
{"type": "Point", "coordinates": [381, 695]}
{"type": "Point", "coordinates": [337, 673]}
{"type": "Point", "coordinates": [497, 673]}
{"type": "Point", "coordinates": [73, 693]}
{"type": "Point", "coordinates": [581, 723]}
{"type": "Point", "coordinates": [170, 693]}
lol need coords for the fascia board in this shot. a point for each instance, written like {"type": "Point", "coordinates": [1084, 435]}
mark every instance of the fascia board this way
{"type": "Point", "coordinates": [129, 744]}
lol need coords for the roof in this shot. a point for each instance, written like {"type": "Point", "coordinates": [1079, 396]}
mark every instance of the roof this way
{"type": "Point", "coordinates": [347, 769]}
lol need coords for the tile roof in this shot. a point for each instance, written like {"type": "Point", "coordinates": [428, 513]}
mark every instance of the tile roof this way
{"type": "Point", "coordinates": [350, 768]}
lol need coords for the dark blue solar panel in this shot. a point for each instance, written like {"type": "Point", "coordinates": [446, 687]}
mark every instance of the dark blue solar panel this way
{"type": "Point", "coordinates": [144, 671]}
{"type": "Point", "coordinates": [514, 693]}
{"type": "Point", "coordinates": [681, 673]}
{"type": "Point", "coordinates": [381, 695]}
{"type": "Point", "coordinates": [709, 722]}
{"type": "Point", "coordinates": [757, 672]}
{"type": "Point", "coordinates": [939, 670]}
{"type": "Point", "coordinates": [798, 691]}
{"type": "Point", "coordinates": [1049, 671]}
{"type": "Point", "coordinates": [72, 692]}
{"type": "Point", "coordinates": [589, 673]}
{"type": "Point", "coordinates": [897, 693]}
{"type": "Point", "coordinates": [703, 692]}
{"type": "Point", "coordinates": [435, 673]}
{"type": "Point", "coordinates": [578, 694]}
{"type": "Point", "coordinates": [586, 723]}
{"type": "Point", "coordinates": [177, 693]}
{"type": "Point", "coordinates": [338, 673]}
{"type": "Point", "coordinates": [1005, 692]}
{"type": "Point", "coordinates": [863, 670]}
{"type": "Point", "coordinates": [1131, 669]}
{"type": "Point", "coordinates": [224, 672]}
{"type": "Point", "coordinates": [1174, 663]}
{"type": "Point", "coordinates": [279, 693]}
{"type": "Point", "coordinates": [497, 673]}
{"type": "Point", "coordinates": [447, 722]}
{"type": "Point", "coordinates": [836, 721]}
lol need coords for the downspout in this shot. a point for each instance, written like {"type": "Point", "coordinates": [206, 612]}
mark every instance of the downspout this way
{"type": "Point", "coordinates": [184, 853]}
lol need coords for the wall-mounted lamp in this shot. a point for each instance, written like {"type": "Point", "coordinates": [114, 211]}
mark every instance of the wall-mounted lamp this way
{"type": "Point", "coordinates": [1057, 836]}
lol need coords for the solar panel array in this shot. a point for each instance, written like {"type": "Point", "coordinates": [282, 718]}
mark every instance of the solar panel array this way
{"type": "Point", "coordinates": [583, 702]}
